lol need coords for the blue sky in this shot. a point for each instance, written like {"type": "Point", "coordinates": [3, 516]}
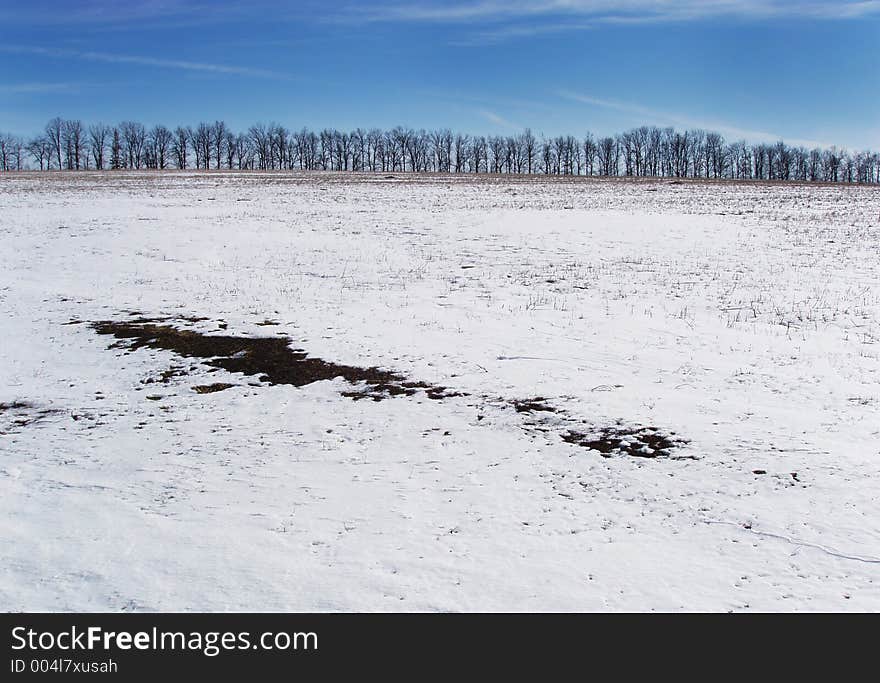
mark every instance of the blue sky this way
{"type": "Point", "coordinates": [804, 71]}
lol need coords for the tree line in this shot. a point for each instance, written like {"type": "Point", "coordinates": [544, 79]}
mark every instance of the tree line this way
{"type": "Point", "coordinates": [647, 151]}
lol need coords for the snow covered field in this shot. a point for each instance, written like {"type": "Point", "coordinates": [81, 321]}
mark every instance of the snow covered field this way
{"type": "Point", "coordinates": [743, 318]}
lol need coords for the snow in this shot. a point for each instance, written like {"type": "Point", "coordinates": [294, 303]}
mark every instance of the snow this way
{"type": "Point", "coordinates": [743, 317]}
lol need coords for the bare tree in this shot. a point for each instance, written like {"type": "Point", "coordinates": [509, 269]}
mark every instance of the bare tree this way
{"type": "Point", "coordinates": [591, 149]}
{"type": "Point", "coordinates": [608, 155]}
{"type": "Point", "coordinates": [638, 152]}
{"type": "Point", "coordinates": [72, 139]}
{"type": "Point", "coordinates": [180, 146]}
{"type": "Point", "coordinates": [7, 153]}
{"type": "Point", "coordinates": [244, 151]}
{"type": "Point", "coordinates": [202, 143]}
{"type": "Point", "coordinates": [134, 138]}
{"type": "Point", "coordinates": [529, 148]}
{"type": "Point", "coordinates": [53, 134]}
{"type": "Point", "coordinates": [218, 141]}
{"type": "Point", "coordinates": [261, 142]}
{"type": "Point", "coordinates": [98, 135]}
{"type": "Point", "coordinates": [41, 150]}
{"type": "Point", "coordinates": [161, 140]}
{"type": "Point", "coordinates": [116, 159]}
{"type": "Point", "coordinates": [230, 148]}
{"type": "Point", "coordinates": [496, 149]}
{"type": "Point", "coordinates": [716, 155]}
{"type": "Point", "coordinates": [462, 152]}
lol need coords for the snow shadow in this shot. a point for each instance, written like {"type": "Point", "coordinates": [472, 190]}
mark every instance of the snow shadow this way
{"type": "Point", "coordinates": [17, 414]}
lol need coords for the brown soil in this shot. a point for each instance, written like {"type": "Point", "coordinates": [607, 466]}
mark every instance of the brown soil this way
{"type": "Point", "coordinates": [269, 358]}
{"type": "Point", "coordinates": [641, 442]}
{"type": "Point", "coordinates": [530, 405]}
{"type": "Point", "coordinates": [212, 388]}
{"type": "Point", "coordinates": [273, 361]}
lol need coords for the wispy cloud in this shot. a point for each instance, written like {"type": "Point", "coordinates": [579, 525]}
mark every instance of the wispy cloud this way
{"type": "Point", "coordinates": [485, 101]}
{"type": "Point", "coordinates": [515, 31]}
{"type": "Point", "coordinates": [614, 104]}
{"type": "Point", "coordinates": [650, 116]}
{"type": "Point", "coordinates": [499, 121]}
{"type": "Point", "coordinates": [96, 13]}
{"type": "Point", "coordinates": [146, 61]}
{"type": "Point", "coordinates": [38, 88]}
{"type": "Point", "coordinates": [610, 11]}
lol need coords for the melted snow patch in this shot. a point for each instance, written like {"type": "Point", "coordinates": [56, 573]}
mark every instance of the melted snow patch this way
{"type": "Point", "coordinates": [641, 442]}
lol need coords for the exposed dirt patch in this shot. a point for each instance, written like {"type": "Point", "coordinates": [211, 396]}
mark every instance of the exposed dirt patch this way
{"type": "Point", "coordinates": [212, 388]}
{"type": "Point", "coordinates": [166, 376]}
{"type": "Point", "coordinates": [379, 391]}
{"type": "Point", "coordinates": [641, 442]}
{"type": "Point", "coordinates": [531, 405]}
{"type": "Point", "coordinates": [271, 359]}
{"type": "Point", "coordinates": [437, 393]}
